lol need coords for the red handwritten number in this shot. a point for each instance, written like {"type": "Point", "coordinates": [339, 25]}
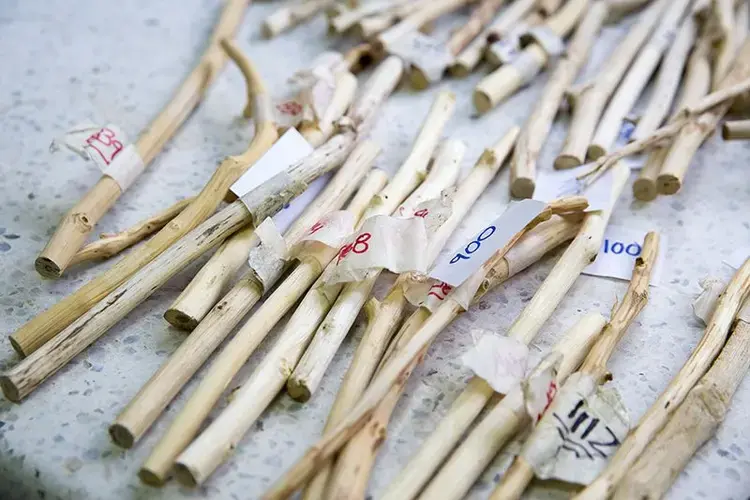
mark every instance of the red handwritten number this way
{"type": "Point", "coordinates": [104, 141]}
{"type": "Point", "coordinates": [551, 392]}
{"type": "Point", "coordinates": [421, 213]}
{"type": "Point", "coordinates": [360, 245]}
{"type": "Point", "coordinates": [443, 290]}
{"type": "Point", "coordinates": [290, 108]}
{"type": "Point", "coordinates": [316, 227]}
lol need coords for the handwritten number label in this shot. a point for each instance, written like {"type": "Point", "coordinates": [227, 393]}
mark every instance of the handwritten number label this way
{"type": "Point", "coordinates": [617, 247]}
{"type": "Point", "coordinates": [292, 108]}
{"type": "Point", "coordinates": [585, 435]}
{"type": "Point", "coordinates": [421, 213]}
{"type": "Point", "coordinates": [316, 227]}
{"type": "Point", "coordinates": [474, 245]}
{"type": "Point", "coordinates": [359, 246]}
{"type": "Point", "coordinates": [551, 392]}
{"type": "Point", "coordinates": [440, 290]}
{"type": "Point", "coordinates": [105, 143]}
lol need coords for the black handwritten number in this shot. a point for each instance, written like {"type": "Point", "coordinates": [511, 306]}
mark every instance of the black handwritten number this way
{"type": "Point", "coordinates": [474, 245]}
{"type": "Point", "coordinates": [577, 431]}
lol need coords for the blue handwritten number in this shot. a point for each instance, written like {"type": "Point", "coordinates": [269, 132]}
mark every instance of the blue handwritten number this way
{"type": "Point", "coordinates": [474, 245]}
{"type": "Point", "coordinates": [633, 249]}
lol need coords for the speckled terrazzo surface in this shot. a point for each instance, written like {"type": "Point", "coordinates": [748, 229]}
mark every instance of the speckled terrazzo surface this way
{"type": "Point", "coordinates": [120, 61]}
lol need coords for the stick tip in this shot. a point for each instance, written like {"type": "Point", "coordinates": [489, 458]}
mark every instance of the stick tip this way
{"type": "Point", "coordinates": [151, 478]}
{"type": "Point", "coordinates": [17, 346]}
{"type": "Point", "coordinates": [180, 320]}
{"type": "Point", "coordinates": [459, 70]}
{"type": "Point", "coordinates": [298, 390]}
{"type": "Point", "coordinates": [185, 476]}
{"type": "Point", "coordinates": [482, 101]}
{"type": "Point", "coordinates": [418, 79]}
{"type": "Point", "coordinates": [567, 161]}
{"type": "Point", "coordinates": [645, 189]}
{"type": "Point", "coordinates": [522, 187]}
{"type": "Point", "coordinates": [668, 183]}
{"type": "Point", "coordinates": [9, 389]}
{"type": "Point", "coordinates": [595, 151]}
{"type": "Point", "coordinates": [47, 268]}
{"type": "Point", "coordinates": [121, 436]}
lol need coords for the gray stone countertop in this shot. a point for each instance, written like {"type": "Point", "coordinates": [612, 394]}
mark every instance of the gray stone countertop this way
{"type": "Point", "coordinates": [120, 61]}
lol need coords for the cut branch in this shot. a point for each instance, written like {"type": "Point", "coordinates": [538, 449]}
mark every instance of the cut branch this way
{"type": "Point", "coordinates": [732, 130]}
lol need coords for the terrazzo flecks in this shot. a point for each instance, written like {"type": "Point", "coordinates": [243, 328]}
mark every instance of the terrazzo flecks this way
{"type": "Point", "coordinates": [120, 62]}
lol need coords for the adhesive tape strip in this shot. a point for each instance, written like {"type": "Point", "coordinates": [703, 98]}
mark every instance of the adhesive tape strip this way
{"type": "Point", "coordinates": [550, 41]}
{"type": "Point", "coordinates": [126, 167]}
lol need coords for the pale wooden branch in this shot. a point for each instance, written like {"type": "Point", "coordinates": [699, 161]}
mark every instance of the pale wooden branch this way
{"type": "Point", "coordinates": [595, 365]}
{"type": "Point", "coordinates": [349, 18]}
{"type": "Point", "coordinates": [428, 12]}
{"type": "Point", "coordinates": [308, 373]}
{"type": "Point", "coordinates": [636, 79]}
{"type": "Point", "coordinates": [292, 14]}
{"type": "Point", "coordinates": [480, 17]}
{"type": "Point", "coordinates": [80, 220]}
{"type": "Point", "coordinates": [502, 83]}
{"type": "Point", "coordinates": [590, 103]}
{"type": "Point", "coordinates": [319, 131]}
{"type": "Point", "coordinates": [186, 425]}
{"type": "Point", "coordinates": [381, 385]}
{"type": "Point", "coordinates": [693, 369]}
{"type": "Point", "coordinates": [46, 325]}
{"type": "Point", "coordinates": [385, 318]}
{"type": "Point", "coordinates": [644, 187]}
{"type": "Point", "coordinates": [505, 419]}
{"type": "Point", "coordinates": [737, 129]}
{"type": "Point", "coordinates": [621, 8]}
{"type": "Point", "coordinates": [726, 50]}
{"type": "Point", "coordinates": [519, 13]}
{"type": "Point", "coordinates": [536, 129]}
{"type": "Point", "coordinates": [110, 244]}
{"type": "Point", "coordinates": [693, 424]}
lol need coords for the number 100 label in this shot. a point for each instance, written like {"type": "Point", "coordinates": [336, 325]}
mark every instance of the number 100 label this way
{"type": "Point", "coordinates": [620, 247]}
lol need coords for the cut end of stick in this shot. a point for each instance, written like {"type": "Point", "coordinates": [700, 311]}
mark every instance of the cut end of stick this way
{"type": "Point", "coordinates": [121, 436]}
{"type": "Point", "coordinates": [669, 183]}
{"type": "Point", "coordinates": [522, 187]}
{"type": "Point", "coordinates": [567, 161]}
{"type": "Point", "coordinates": [185, 476]}
{"type": "Point", "coordinates": [298, 390]}
{"type": "Point", "coordinates": [418, 79]}
{"type": "Point", "coordinates": [180, 320]}
{"type": "Point", "coordinates": [9, 389]}
{"type": "Point", "coordinates": [458, 70]}
{"type": "Point", "coordinates": [595, 151]}
{"type": "Point", "coordinates": [645, 189]}
{"type": "Point", "coordinates": [18, 347]}
{"type": "Point", "coordinates": [149, 478]}
{"type": "Point", "coordinates": [482, 101]}
{"type": "Point", "coordinates": [47, 268]}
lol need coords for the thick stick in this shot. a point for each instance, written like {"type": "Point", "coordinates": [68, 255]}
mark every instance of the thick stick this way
{"type": "Point", "coordinates": [387, 315]}
{"type": "Point", "coordinates": [47, 324]}
{"type": "Point", "coordinates": [636, 79]}
{"type": "Point", "coordinates": [75, 227]}
{"type": "Point", "coordinates": [308, 374]}
{"type": "Point", "coordinates": [658, 414]}
{"type": "Point", "coordinates": [292, 14]}
{"type": "Point", "coordinates": [737, 129]}
{"type": "Point", "coordinates": [317, 132]}
{"type": "Point", "coordinates": [392, 371]}
{"type": "Point", "coordinates": [621, 8]}
{"type": "Point", "coordinates": [157, 466]}
{"type": "Point", "coordinates": [693, 424]}
{"type": "Point", "coordinates": [480, 17]}
{"type": "Point", "coordinates": [502, 83]}
{"type": "Point", "coordinates": [348, 18]}
{"type": "Point", "coordinates": [595, 365]}
{"type": "Point", "coordinates": [723, 18]}
{"type": "Point", "coordinates": [110, 244]}
{"type": "Point", "coordinates": [536, 129]}
{"type": "Point", "coordinates": [427, 13]}
{"type": "Point", "coordinates": [477, 450]}
{"type": "Point", "coordinates": [150, 401]}
{"type": "Point", "coordinates": [591, 101]}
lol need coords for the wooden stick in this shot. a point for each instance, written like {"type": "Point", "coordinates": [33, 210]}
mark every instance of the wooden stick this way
{"type": "Point", "coordinates": [186, 425]}
{"type": "Point", "coordinates": [723, 19]}
{"type": "Point", "coordinates": [693, 424]}
{"type": "Point", "coordinates": [347, 19]}
{"type": "Point", "coordinates": [292, 14]}
{"type": "Point", "coordinates": [110, 244]}
{"type": "Point", "coordinates": [428, 12]}
{"type": "Point", "coordinates": [46, 325]}
{"type": "Point", "coordinates": [385, 316]}
{"type": "Point", "coordinates": [309, 372]}
{"type": "Point", "coordinates": [693, 369]}
{"type": "Point", "coordinates": [163, 386]}
{"type": "Point", "coordinates": [502, 83]}
{"type": "Point", "coordinates": [80, 220]}
{"type": "Point", "coordinates": [536, 129]}
{"type": "Point", "coordinates": [476, 451]}
{"type": "Point", "coordinates": [692, 135]}
{"type": "Point", "coordinates": [636, 79]}
{"type": "Point", "coordinates": [644, 187]}
{"type": "Point", "coordinates": [737, 129]}
{"type": "Point", "coordinates": [590, 103]}
{"type": "Point", "coordinates": [595, 365]}
{"type": "Point", "coordinates": [480, 17]}
{"type": "Point", "coordinates": [667, 80]}
{"type": "Point", "coordinates": [620, 8]}
{"type": "Point", "coordinates": [391, 372]}
{"type": "Point", "coordinates": [215, 277]}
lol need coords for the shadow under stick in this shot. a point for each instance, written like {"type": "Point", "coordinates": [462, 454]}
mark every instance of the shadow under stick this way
{"type": "Point", "coordinates": [75, 227]}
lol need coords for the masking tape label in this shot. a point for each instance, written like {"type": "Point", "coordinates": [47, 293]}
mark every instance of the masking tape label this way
{"type": "Point", "coordinates": [499, 360]}
{"type": "Point", "coordinates": [620, 248]}
{"type": "Point", "coordinates": [424, 52]}
{"type": "Point", "coordinates": [552, 185]}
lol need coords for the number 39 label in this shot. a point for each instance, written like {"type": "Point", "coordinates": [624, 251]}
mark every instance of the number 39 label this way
{"type": "Point", "coordinates": [462, 263]}
{"type": "Point", "coordinates": [620, 247]}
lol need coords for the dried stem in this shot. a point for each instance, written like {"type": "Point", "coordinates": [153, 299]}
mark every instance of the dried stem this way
{"type": "Point", "coordinates": [621, 8]}
{"type": "Point", "coordinates": [536, 129]}
{"type": "Point", "coordinates": [80, 220]}
{"type": "Point", "coordinates": [693, 424]}
{"type": "Point", "coordinates": [46, 325]}
{"type": "Point", "coordinates": [292, 14]}
{"type": "Point", "coordinates": [348, 18]}
{"type": "Point", "coordinates": [110, 244]}
{"type": "Point", "coordinates": [480, 17]}
{"type": "Point", "coordinates": [723, 18]}
{"type": "Point", "coordinates": [590, 102]}
{"type": "Point", "coordinates": [669, 401]}
{"type": "Point", "coordinates": [738, 129]}
{"type": "Point", "coordinates": [497, 86]}
{"type": "Point", "coordinates": [186, 425]}
{"type": "Point", "coordinates": [427, 13]}
{"type": "Point", "coordinates": [502, 422]}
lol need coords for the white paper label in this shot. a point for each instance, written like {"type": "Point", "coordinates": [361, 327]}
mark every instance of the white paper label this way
{"type": "Point", "coordinates": [540, 388]}
{"type": "Point", "coordinates": [705, 304]}
{"type": "Point", "coordinates": [267, 259]}
{"type": "Point", "coordinates": [290, 148]}
{"type": "Point", "coordinates": [459, 265]}
{"type": "Point", "coordinates": [550, 41]}
{"type": "Point", "coordinates": [554, 184]}
{"type": "Point", "coordinates": [578, 434]}
{"type": "Point", "coordinates": [322, 68]}
{"type": "Point", "coordinates": [738, 258]}
{"type": "Point", "coordinates": [620, 248]}
{"type": "Point", "coordinates": [508, 48]}
{"type": "Point", "coordinates": [499, 360]}
{"type": "Point", "coordinates": [424, 52]}
{"type": "Point", "coordinates": [383, 242]}
{"type": "Point", "coordinates": [332, 231]}
{"type": "Point", "coordinates": [291, 212]}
